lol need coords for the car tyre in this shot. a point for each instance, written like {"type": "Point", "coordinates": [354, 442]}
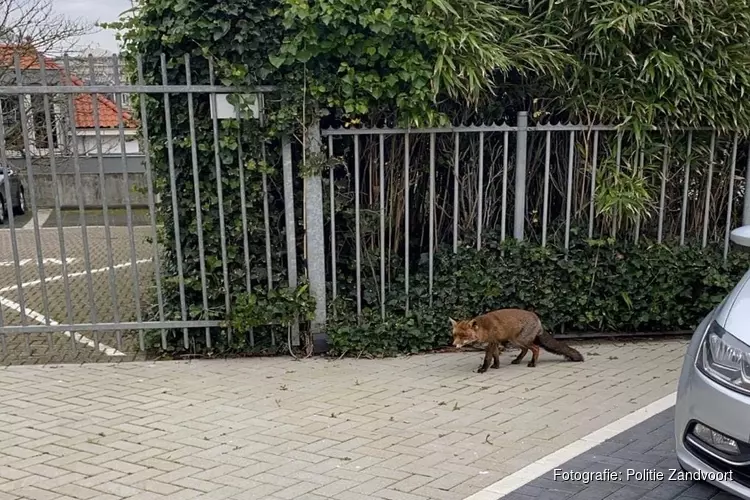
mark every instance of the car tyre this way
{"type": "Point", "coordinates": [20, 209]}
{"type": "Point", "coordinates": [3, 210]}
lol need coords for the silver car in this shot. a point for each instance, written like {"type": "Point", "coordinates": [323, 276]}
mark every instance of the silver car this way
{"type": "Point", "coordinates": [712, 413]}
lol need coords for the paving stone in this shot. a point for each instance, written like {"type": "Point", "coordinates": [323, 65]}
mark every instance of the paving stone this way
{"type": "Point", "coordinates": [699, 491]}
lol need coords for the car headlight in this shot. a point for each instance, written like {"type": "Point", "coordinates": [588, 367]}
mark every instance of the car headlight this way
{"type": "Point", "coordinates": [725, 359]}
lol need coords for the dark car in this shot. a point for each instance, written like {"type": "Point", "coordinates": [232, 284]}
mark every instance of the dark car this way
{"type": "Point", "coordinates": [17, 194]}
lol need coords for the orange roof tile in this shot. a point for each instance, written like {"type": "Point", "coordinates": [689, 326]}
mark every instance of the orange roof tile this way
{"type": "Point", "coordinates": [84, 104]}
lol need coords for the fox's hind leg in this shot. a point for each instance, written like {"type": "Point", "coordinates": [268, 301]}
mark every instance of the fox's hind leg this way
{"type": "Point", "coordinates": [520, 356]}
{"type": "Point", "coordinates": [534, 356]}
{"type": "Point", "coordinates": [526, 340]}
{"type": "Point", "coordinates": [496, 357]}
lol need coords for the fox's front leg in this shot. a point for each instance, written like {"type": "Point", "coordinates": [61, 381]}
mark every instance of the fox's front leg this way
{"type": "Point", "coordinates": [496, 356]}
{"type": "Point", "coordinates": [488, 352]}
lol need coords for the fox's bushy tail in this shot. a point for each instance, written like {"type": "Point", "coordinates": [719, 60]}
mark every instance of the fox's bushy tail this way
{"type": "Point", "coordinates": [551, 344]}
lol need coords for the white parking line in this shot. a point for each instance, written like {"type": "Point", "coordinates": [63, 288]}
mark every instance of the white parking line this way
{"type": "Point", "coordinates": [540, 467]}
{"type": "Point", "coordinates": [23, 262]}
{"type": "Point", "coordinates": [71, 275]}
{"type": "Point", "coordinates": [42, 216]}
{"type": "Point", "coordinates": [40, 318]}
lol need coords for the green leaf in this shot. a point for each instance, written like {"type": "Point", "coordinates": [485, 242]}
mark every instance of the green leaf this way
{"type": "Point", "coordinates": [277, 61]}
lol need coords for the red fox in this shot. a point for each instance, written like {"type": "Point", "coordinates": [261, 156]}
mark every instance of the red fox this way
{"type": "Point", "coordinates": [509, 326]}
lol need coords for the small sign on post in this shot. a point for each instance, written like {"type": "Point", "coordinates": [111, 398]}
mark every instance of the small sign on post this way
{"type": "Point", "coordinates": [226, 110]}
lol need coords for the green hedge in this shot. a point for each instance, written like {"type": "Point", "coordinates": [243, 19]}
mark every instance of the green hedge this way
{"type": "Point", "coordinates": [602, 286]}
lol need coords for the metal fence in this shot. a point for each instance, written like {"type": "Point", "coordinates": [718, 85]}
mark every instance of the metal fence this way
{"type": "Point", "coordinates": [100, 279]}
{"type": "Point", "coordinates": [91, 275]}
{"type": "Point", "coordinates": [460, 186]}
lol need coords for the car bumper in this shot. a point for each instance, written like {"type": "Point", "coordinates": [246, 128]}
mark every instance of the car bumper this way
{"type": "Point", "coordinates": [699, 399]}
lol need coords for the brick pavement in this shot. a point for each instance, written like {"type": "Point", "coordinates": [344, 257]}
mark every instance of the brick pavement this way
{"type": "Point", "coordinates": [423, 427]}
{"type": "Point", "coordinates": [110, 297]}
{"type": "Point", "coordinates": [649, 446]}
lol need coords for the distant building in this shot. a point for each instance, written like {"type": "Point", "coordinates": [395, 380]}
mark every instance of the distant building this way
{"type": "Point", "coordinates": [63, 137]}
{"type": "Point", "coordinates": [106, 71]}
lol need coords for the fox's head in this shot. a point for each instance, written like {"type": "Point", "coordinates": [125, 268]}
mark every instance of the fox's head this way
{"type": "Point", "coordinates": [464, 332]}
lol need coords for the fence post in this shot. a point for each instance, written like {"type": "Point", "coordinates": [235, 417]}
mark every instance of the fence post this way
{"type": "Point", "coordinates": [519, 216]}
{"type": "Point", "coordinates": [746, 201]}
{"type": "Point", "coordinates": [289, 218]}
{"type": "Point", "coordinates": [315, 232]}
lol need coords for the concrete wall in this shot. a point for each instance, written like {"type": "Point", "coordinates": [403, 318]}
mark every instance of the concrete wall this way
{"type": "Point", "coordinates": [67, 191]}
{"type": "Point", "coordinates": [112, 164]}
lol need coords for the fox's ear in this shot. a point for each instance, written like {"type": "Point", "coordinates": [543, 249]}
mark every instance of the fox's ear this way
{"type": "Point", "coordinates": [473, 324]}
{"type": "Point", "coordinates": [453, 321]}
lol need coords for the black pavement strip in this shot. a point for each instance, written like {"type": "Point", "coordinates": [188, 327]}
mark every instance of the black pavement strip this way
{"type": "Point", "coordinates": [634, 458]}
{"type": "Point", "coordinates": [117, 217]}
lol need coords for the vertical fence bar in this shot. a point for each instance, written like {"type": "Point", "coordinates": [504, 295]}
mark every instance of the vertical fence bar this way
{"type": "Point", "coordinates": [685, 187]}
{"type": "Point", "coordinates": [289, 218]}
{"type": "Point", "coordinates": [37, 238]}
{"type": "Point", "coordinates": [618, 162]}
{"type": "Point", "coordinates": [663, 193]}
{"type": "Point", "coordinates": [128, 207]}
{"type": "Point", "coordinates": [32, 194]}
{"type": "Point", "coordinates": [357, 229]}
{"type": "Point", "coordinates": [12, 227]}
{"type": "Point", "coordinates": [3, 339]}
{"type": "Point", "coordinates": [175, 204]}
{"type": "Point", "coordinates": [545, 200]}
{"type": "Point", "coordinates": [105, 204]}
{"type": "Point", "coordinates": [267, 229]}
{"type": "Point", "coordinates": [504, 209]}
{"type": "Point", "coordinates": [639, 173]}
{"type": "Point", "coordinates": [519, 216]}
{"type": "Point", "coordinates": [746, 200]}
{"type": "Point", "coordinates": [455, 193]}
{"type": "Point", "coordinates": [594, 163]}
{"type": "Point", "coordinates": [382, 226]}
{"type": "Point", "coordinates": [197, 194]}
{"type": "Point", "coordinates": [3, 161]}
{"type": "Point", "coordinates": [151, 202]}
{"type": "Point", "coordinates": [406, 218]}
{"type": "Point", "coordinates": [243, 205]}
{"type": "Point", "coordinates": [480, 192]}
{"type": "Point", "coordinates": [243, 209]}
{"type": "Point", "coordinates": [707, 211]}
{"type": "Point", "coordinates": [220, 201]}
{"type": "Point", "coordinates": [569, 194]}
{"type": "Point", "coordinates": [732, 168]}
{"type": "Point", "coordinates": [431, 254]}
{"type": "Point", "coordinates": [332, 207]}
{"type": "Point", "coordinates": [58, 207]}
{"type": "Point", "coordinates": [81, 211]}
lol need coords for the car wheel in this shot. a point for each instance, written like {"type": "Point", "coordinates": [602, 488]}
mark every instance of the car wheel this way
{"type": "Point", "coordinates": [3, 210]}
{"type": "Point", "coordinates": [20, 209]}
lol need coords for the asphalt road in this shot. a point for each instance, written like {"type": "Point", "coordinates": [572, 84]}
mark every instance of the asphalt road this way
{"type": "Point", "coordinates": [632, 461]}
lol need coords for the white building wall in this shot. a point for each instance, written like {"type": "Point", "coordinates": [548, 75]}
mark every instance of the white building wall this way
{"type": "Point", "coordinates": [87, 144]}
